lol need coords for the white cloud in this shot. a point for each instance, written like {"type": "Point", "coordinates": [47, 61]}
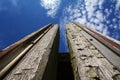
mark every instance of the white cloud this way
{"type": "Point", "coordinates": [83, 12]}
{"type": "Point", "coordinates": [90, 6]}
{"type": "Point", "coordinates": [82, 20]}
{"type": "Point", "coordinates": [99, 16]}
{"type": "Point", "coordinates": [108, 22]}
{"type": "Point", "coordinates": [77, 13]}
{"type": "Point", "coordinates": [107, 12]}
{"type": "Point", "coordinates": [96, 20]}
{"type": "Point", "coordinates": [105, 31]}
{"type": "Point", "coordinates": [114, 19]}
{"type": "Point", "coordinates": [91, 15]}
{"type": "Point", "coordinates": [73, 13]}
{"type": "Point", "coordinates": [118, 5]}
{"type": "Point", "coordinates": [115, 26]}
{"type": "Point", "coordinates": [51, 5]}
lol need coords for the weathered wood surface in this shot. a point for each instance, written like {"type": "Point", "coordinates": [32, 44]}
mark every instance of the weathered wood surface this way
{"type": "Point", "coordinates": [12, 51]}
{"type": "Point", "coordinates": [87, 61]}
{"type": "Point", "coordinates": [18, 43]}
{"type": "Point", "coordinates": [33, 65]}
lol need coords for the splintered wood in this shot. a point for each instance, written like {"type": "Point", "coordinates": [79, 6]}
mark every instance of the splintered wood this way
{"type": "Point", "coordinates": [33, 65]}
{"type": "Point", "coordinates": [88, 63]}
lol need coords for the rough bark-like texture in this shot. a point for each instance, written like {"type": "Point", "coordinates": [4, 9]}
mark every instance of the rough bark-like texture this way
{"type": "Point", "coordinates": [33, 65]}
{"type": "Point", "coordinates": [87, 61]}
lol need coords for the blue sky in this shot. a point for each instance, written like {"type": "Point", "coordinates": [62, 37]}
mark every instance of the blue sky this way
{"type": "Point", "coordinates": [19, 18]}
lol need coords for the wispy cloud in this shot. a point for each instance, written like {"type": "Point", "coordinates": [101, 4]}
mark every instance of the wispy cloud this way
{"type": "Point", "coordinates": [51, 5]}
{"type": "Point", "coordinates": [84, 13]}
{"type": "Point", "coordinates": [90, 13]}
{"type": "Point", "coordinates": [118, 5]}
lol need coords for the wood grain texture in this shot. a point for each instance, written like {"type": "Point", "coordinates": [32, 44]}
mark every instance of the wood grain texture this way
{"type": "Point", "coordinates": [87, 61]}
{"type": "Point", "coordinates": [33, 65]}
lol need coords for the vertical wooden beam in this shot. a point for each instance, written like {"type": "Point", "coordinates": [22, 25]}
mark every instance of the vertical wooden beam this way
{"type": "Point", "coordinates": [87, 60]}
{"type": "Point", "coordinates": [38, 59]}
